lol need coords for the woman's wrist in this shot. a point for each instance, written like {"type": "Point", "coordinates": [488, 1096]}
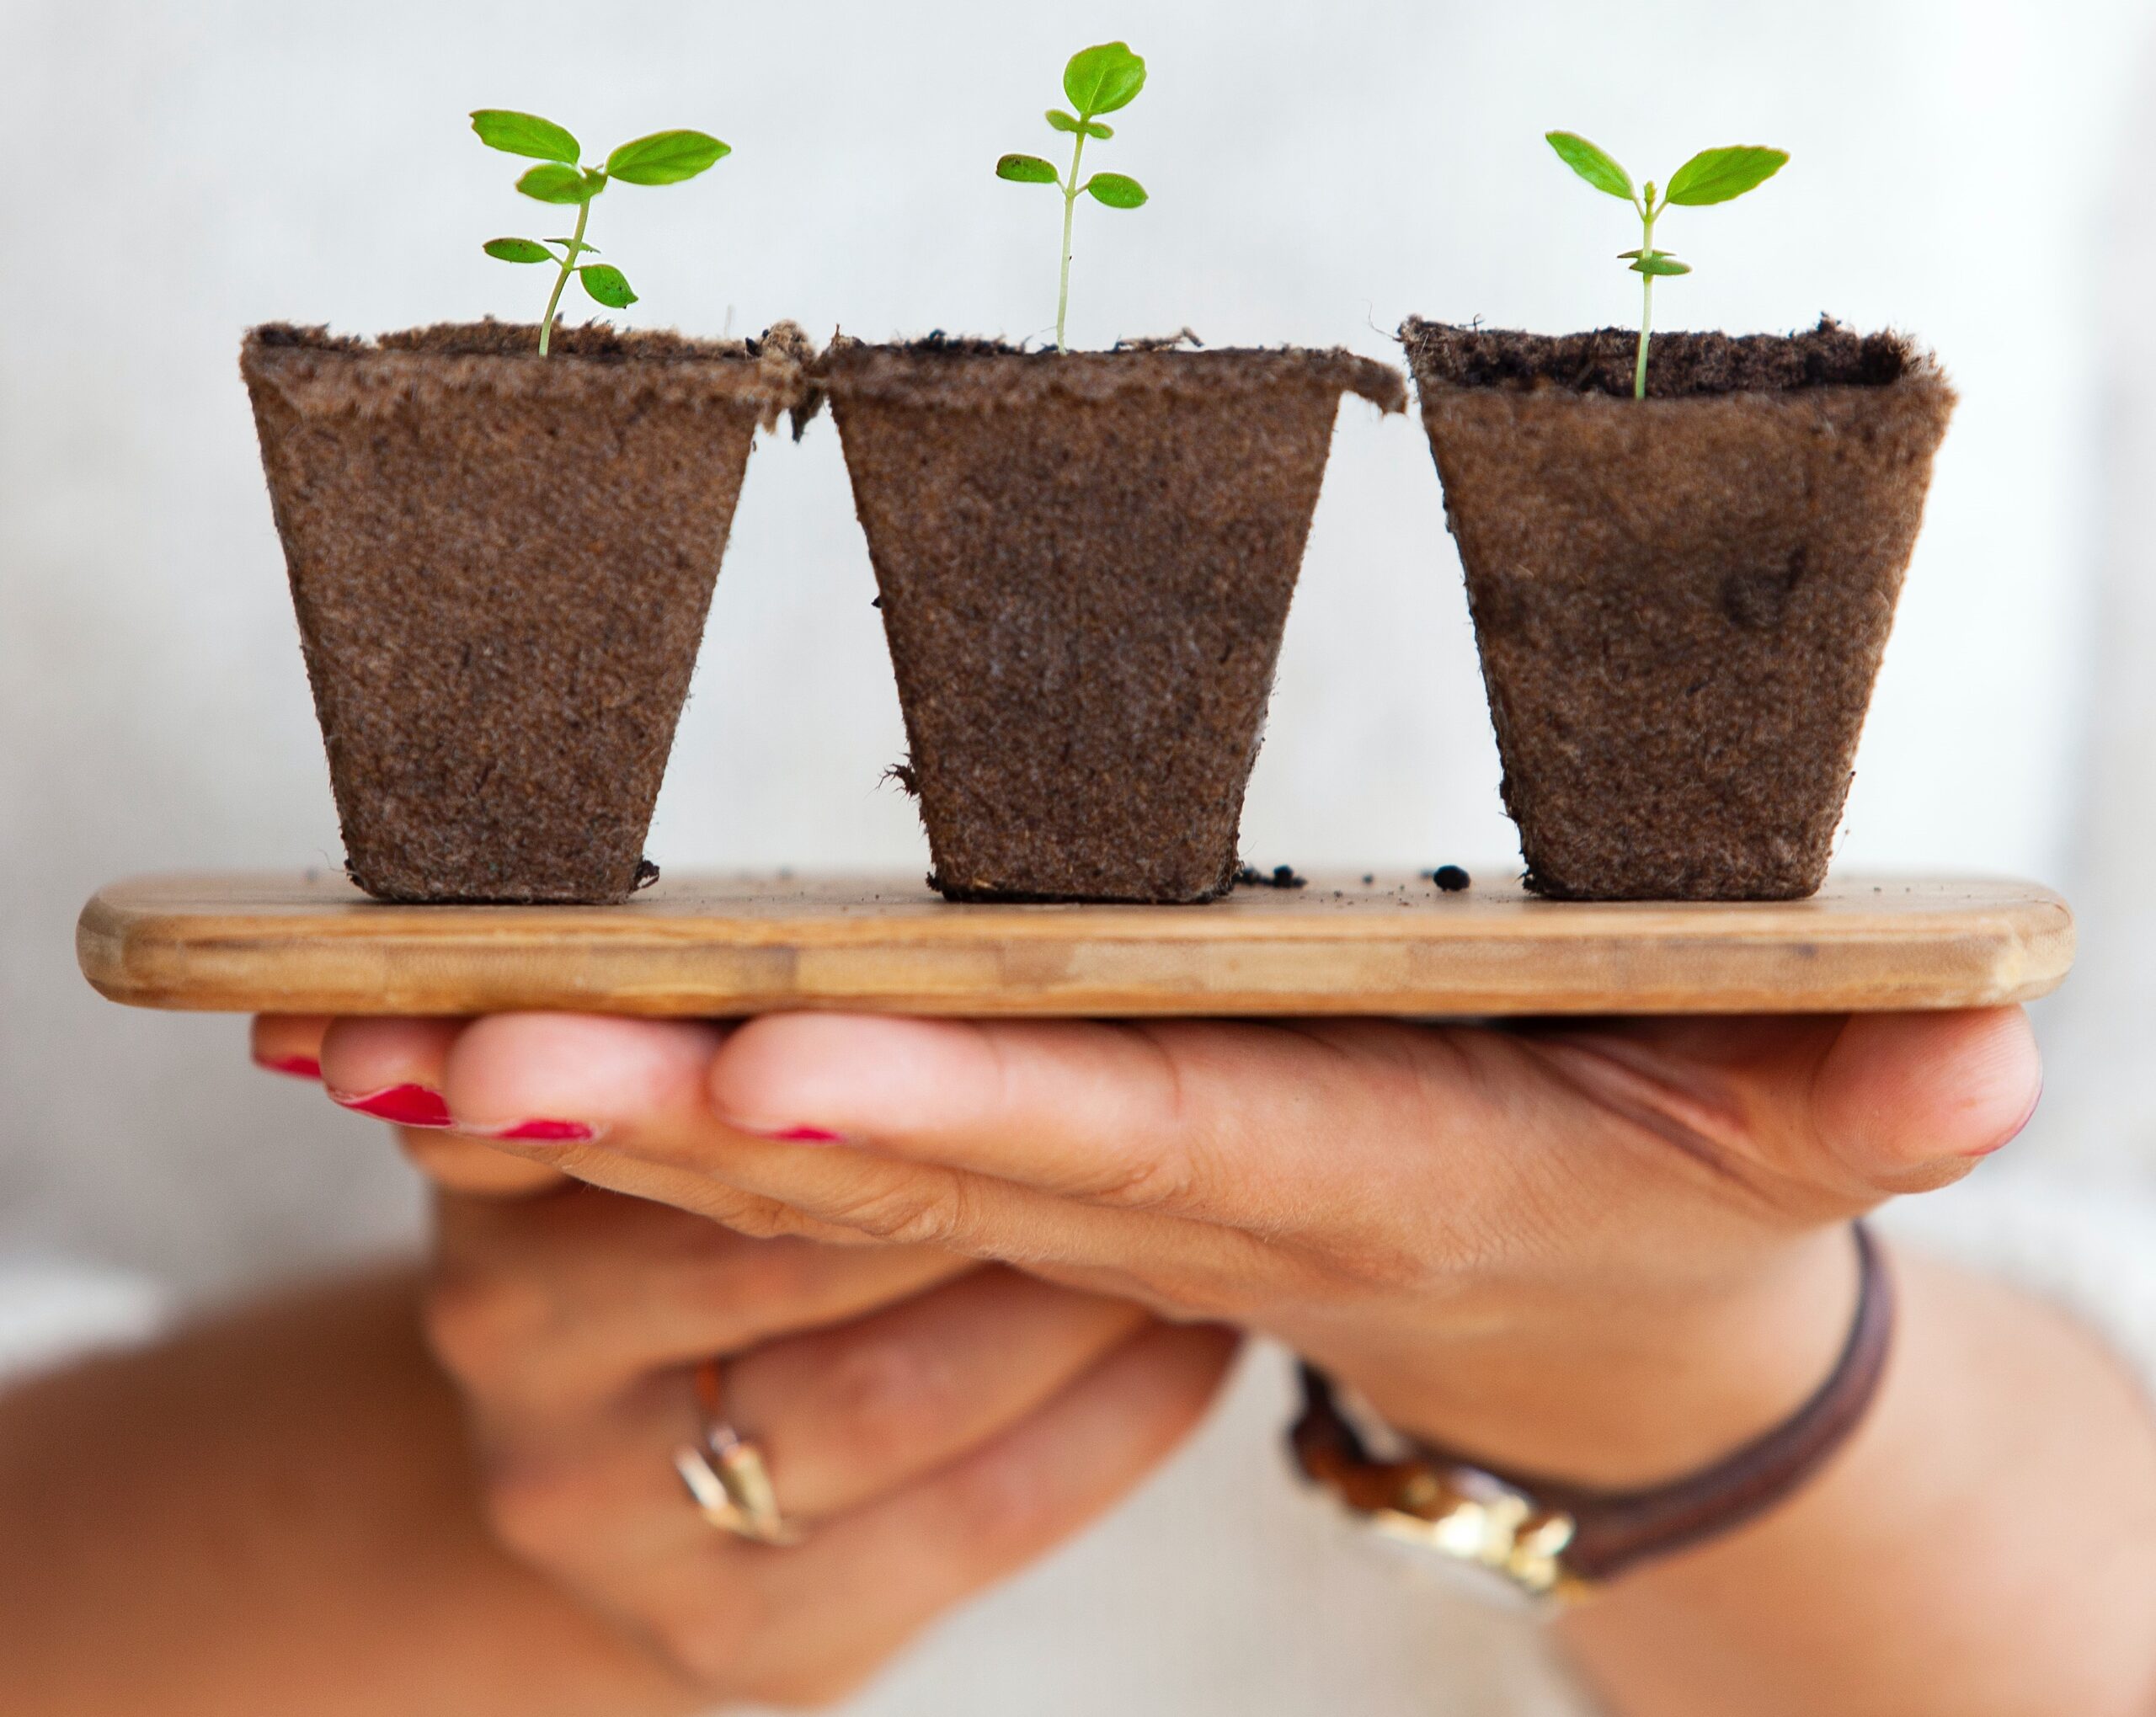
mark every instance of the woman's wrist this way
{"type": "Point", "coordinates": [1622, 1390]}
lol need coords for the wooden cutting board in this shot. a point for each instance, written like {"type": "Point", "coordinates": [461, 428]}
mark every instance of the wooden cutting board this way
{"type": "Point", "coordinates": [736, 945]}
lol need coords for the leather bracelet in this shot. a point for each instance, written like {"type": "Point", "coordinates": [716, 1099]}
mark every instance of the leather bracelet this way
{"type": "Point", "coordinates": [1546, 1535]}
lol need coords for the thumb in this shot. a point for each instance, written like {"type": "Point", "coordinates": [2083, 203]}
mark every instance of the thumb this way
{"type": "Point", "coordinates": [1910, 1101]}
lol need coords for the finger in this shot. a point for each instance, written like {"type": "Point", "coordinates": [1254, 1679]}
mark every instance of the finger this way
{"type": "Point", "coordinates": [548, 1309]}
{"type": "Point", "coordinates": [846, 1415]}
{"type": "Point", "coordinates": [641, 1084]}
{"type": "Point", "coordinates": [975, 1522]}
{"type": "Point", "coordinates": [1247, 1125]}
{"type": "Point", "coordinates": [1841, 1111]}
{"type": "Point", "coordinates": [289, 1043]}
{"type": "Point", "coordinates": [842, 1417]}
{"type": "Point", "coordinates": [392, 1069]}
{"type": "Point", "coordinates": [389, 1069]}
{"type": "Point", "coordinates": [1908, 1101]}
{"type": "Point", "coordinates": [1222, 1123]}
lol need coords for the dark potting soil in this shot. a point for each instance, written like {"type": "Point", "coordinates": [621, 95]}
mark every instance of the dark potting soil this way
{"type": "Point", "coordinates": [1279, 877]}
{"type": "Point", "coordinates": [1680, 603]}
{"type": "Point", "coordinates": [501, 566]}
{"type": "Point", "coordinates": [1085, 563]}
{"type": "Point", "coordinates": [1451, 879]}
{"type": "Point", "coordinates": [1678, 365]}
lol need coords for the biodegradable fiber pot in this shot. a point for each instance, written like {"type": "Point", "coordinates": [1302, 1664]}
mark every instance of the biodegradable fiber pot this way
{"type": "Point", "coordinates": [1085, 562]}
{"type": "Point", "coordinates": [501, 564]}
{"type": "Point", "coordinates": [1680, 602]}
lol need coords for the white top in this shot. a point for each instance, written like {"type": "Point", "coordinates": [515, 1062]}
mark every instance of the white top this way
{"type": "Point", "coordinates": [1316, 173]}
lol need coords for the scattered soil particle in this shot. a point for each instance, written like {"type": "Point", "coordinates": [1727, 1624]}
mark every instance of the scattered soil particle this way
{"type": "Point", "coordinates": [1279, 877]}
{"type": "Point", "coordinates": [1451, 878]}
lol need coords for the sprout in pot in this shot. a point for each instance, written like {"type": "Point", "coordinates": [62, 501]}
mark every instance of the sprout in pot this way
{"type": "Point", "coordinates": [1711, 176]}
{"type": "Point", "coordinates": [665, 157]}
{"type": "Point", "coordinates": [502, 541]}
{"type": "Point", "coordinates": [1084, 561]}
{"type": "Point", "coordinates": [1098, 81]}
{"type": "Point", "coordinates": [1682, 554]}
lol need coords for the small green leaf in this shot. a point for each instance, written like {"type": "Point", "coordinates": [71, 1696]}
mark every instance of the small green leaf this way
{"type": "Point", "coordinates": [518, 250]}
{"type": "Point", "coordinates": [1660, 262]}
{"type": "Point", "coordinates": [581, 244]}
{"type": "Point", "coordinates": [1101, 79]}
{"type": "Point", "coordinates": [1092, 128]}
{"type": "Point", "coordinates": [554, 183]}
{"type": "Point", "coordinates": [1025, 169]}
{"type": "Point", "coordinates": [607, 283]}
{"type": "Point", "coordinates": [1597, 167]}
{"type": "Point", "coordinates": [1117, 190]}
{"type": "Point", "coordinates": [1716, 175]}
{"type": "Point", "coordinates": [665, 158]}
{"type": "Point", "coordinates": [524, 134]}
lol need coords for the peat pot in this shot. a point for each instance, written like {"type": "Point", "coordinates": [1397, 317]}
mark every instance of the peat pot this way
{"type": "Point", "coordinates": [501, 564]}
{"type": "Point", "coordinates": [1680, 601]}
{"type": "Point", "coordinates": [1085, 562]}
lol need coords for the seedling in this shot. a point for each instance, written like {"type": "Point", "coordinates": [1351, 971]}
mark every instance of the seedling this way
{"type": "Point", "coordinates": [1711, 176]}
{"type": "Point", "coordinates": [1097, 81]}
{"type": "Point", "coordinates": [665, 157]}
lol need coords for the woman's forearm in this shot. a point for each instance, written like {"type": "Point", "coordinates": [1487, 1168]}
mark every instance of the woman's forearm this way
{"type": "Point", "coordinates": [273, 1513]}
{"type": "Point", "coordinates": [1985, 1546]}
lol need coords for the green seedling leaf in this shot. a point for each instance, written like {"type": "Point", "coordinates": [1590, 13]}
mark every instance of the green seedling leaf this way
{"type": "Point", "coordinates": [554, 183]}
{"type": "Point", "coordinates": [607, 283]}
{"type": "Point", "coordinates": [1659, 263]}
{"type": "Point", "coordinates": [1716, 175]}
{"type": "Point", "coordinates": [1099, 80]}
{"type": "Point", "coordinates": [1025, 169]}
{"type": "Point", "coordinates": [665, 158]}
{"type": "Point", "coordinates": [1062, 121]}
{"type": "Point", "coordinates": [1596, 165]}
{"type": "Point", "coordinates": [592, 248]}
{"type": "Point", "coordinates": [524, 133]}
{"type": "Point", "coordinates": [1117, 190]}
{"type": "Point", "coordinates": [518, 250]}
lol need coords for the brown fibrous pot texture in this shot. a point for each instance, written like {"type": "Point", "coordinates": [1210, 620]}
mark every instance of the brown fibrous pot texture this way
{"type": "Point", "coordinates": [1680, 602]}
{"type": "Point", "coordinates": [1085, 563]}
{"type": "Point", "coordinates": [501, 565]}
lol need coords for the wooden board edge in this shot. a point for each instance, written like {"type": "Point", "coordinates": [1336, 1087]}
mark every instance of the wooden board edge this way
{"type": "Point", "coordinates": [132, 958]}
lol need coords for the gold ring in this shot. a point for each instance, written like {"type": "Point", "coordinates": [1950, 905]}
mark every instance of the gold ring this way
{"type": "Point", "coordinates": [726, 1474]}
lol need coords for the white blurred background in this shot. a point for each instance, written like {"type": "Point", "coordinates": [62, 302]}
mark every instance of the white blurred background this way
{"type": "Point", "coordinates": [1974, 173]}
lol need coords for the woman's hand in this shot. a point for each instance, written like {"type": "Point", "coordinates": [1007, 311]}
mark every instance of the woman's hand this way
{"type": "Point", "coordinates": [1606, 1252]}
{"type": "Point", "coordinates": [934, 1424]}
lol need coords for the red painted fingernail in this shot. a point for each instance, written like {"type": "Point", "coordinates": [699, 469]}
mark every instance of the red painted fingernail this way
{"type": "Point", "coordinates": [794, 1135]}
{"type": "Point", "coordinates": [544, 1132]}
{"type": "Point", "coordinates": [298, 1066]}
{"type": "Point", "coordinates": [407, 1105]}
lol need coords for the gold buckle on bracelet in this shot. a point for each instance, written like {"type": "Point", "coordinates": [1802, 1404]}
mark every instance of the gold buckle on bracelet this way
{"type": "Point", "coordinates": [1471, 1517]}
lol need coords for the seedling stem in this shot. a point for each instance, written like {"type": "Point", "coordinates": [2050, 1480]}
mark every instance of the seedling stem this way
{"type": "Point", "coordinates": [576, 247]}
{"type": "Point", "coordinates": [1069, 208]}
{"type": "Point", "coordinates": [1647, 212]}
